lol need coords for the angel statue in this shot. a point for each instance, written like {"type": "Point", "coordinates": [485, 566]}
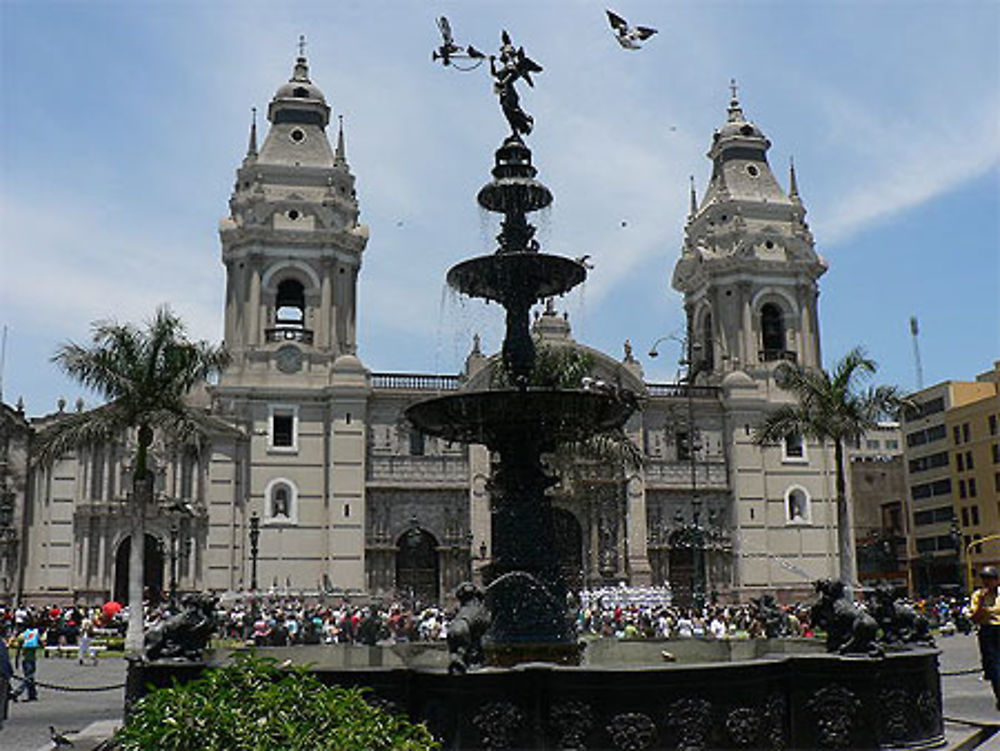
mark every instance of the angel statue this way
{"type": "Point", "coordinates": [514, 64]}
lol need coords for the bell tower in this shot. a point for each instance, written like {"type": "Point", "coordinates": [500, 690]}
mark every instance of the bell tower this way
{"type": "Point", "coordinates": [292, 245]}
{"type": "Point", "coordinates": [748, 268]}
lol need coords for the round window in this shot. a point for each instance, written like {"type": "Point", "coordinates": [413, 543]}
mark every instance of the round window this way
{"type": "Point", "coordinates": [293, 215]}
{"type": "Point", "coordinates": [769, 244]}
{"type": "Point", "coordinates": [752, 170]}
{"type": "Point", "coordinates": [298, 135]}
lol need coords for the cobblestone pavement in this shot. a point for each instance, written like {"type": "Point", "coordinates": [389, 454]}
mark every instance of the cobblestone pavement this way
{"type": "Point", "coordinates": [966, 697]}
{"type": "Point", "coordinates": [27, 728]}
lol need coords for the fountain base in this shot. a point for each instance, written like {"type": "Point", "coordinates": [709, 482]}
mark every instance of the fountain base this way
{"type": "Point", "coordinates": [554, 653]}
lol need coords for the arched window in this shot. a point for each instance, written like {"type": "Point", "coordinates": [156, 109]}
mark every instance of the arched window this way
{"type": "Point", "coordinates": [97, 461]}
{"type": "Point", "coordinates": [281, 502]}
{"type": "Point", "coordinates": [189, 463]}
{"type": "Point", "coordinates": [290, 304]}
{"type": "Point", "coordinates": [798, 508]}
{"type": "Point", "coordinates": [707, 343]}
{"type": "Point", "coordinates": [772, 331]}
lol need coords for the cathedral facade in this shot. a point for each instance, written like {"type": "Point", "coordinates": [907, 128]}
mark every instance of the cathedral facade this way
{"type": "Point", "coordinates": [312, 449]}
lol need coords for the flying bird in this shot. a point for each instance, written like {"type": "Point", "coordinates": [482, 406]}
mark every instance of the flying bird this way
{"type": "Point", "coordinates": [58, 739]}
{"type": "Point", "coordinates": [629, 37]}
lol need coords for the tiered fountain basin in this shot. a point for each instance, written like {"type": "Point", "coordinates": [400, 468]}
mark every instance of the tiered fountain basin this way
{"type": "Point", "coordinates": [496, 417]}
{"type": "Point", "coordinates": [754, 694]}
{"type": "Point", "coordinates": [529, 276]}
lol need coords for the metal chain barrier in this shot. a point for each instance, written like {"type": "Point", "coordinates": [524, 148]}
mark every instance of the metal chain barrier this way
{"type": "Point", "coordinates": [967, 671]}
{"type": "Point", "coordinates": [56, 687]}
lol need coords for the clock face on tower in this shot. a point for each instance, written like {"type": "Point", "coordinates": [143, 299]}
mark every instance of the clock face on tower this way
{"type": "Point", "coordinates": [288, 359]}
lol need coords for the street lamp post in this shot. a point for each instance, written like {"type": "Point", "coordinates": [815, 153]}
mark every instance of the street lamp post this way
{"type": "Point", "coordinates": [956, 544]}
{"type": "Point", "coordinates": [695, 364]}
{"type": "Point", "coordinates": [254, 539]}
{"type": "Point", "coordinates": [173, 563]}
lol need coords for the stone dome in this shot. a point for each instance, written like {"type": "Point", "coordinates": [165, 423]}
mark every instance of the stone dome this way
{"type": "Point", "coordinates": [299, 86]}
{"type": "Point", "coordinates": [737, 380]}
{"type": "Point", "coordinates": [348, 363]}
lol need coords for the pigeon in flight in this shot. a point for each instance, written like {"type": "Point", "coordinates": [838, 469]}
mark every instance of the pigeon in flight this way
{"type": "Point", "coordinates": [629, 37]}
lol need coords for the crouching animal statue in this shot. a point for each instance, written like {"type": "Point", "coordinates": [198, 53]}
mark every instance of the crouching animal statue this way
{"type": "Point", "coordinates": [184, 634]}
{"type": "Point", "coordinates": [849, 630]}
{"type": "Point", "coordinates": [900, 623]}
{"type": "Point", "coordinates": [467, 629]}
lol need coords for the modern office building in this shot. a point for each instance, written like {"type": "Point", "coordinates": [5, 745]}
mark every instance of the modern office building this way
{"type": "Point", "coordinates": [952, 453]}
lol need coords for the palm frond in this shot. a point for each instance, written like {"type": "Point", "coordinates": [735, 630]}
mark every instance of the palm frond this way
{"type": "Point", "coordinates": [145, 374]}
{"type": "Point", "coordinates": [786, 420]}
{"type": "Point", "coordinates": [77, 430]}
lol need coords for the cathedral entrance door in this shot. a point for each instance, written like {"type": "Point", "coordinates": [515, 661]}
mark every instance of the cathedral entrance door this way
{"type": "Point", "coordinates": [569, 547]}
{"type": "Point", "coordinates": [682, 576]}
{"type": "Point", "coordinates": [417, 566]}
{"type": "Point", "coordinates": [152, 570]}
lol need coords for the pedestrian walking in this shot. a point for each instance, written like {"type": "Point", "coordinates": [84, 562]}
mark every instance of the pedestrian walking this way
{"type": "Point", "coordinates": [27, 659]}
{"type": "Point", "coordinates": [986, 614]}
{"type": "Point", "coordinates": [83, 649]}
{"type": "Point", "coordinates": [6, 673]}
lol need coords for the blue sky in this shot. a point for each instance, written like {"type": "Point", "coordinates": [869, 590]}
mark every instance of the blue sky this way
{"type": "Point", "coordinates": [122, 124]}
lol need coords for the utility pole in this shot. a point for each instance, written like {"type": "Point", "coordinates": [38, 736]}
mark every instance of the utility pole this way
{"type": "Point", "coordinates": [914, 332]}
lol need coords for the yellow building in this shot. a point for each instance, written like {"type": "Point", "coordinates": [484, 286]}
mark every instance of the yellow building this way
{"type": "Point", "coordinates": [974, 434]}
{"type": "Point", "coordinates": [952, 454]}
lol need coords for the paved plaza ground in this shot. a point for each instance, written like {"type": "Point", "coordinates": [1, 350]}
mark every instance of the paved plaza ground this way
{"type": "Point", "coordinates": [967, 699]}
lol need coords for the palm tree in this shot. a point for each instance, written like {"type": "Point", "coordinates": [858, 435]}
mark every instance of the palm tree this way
{"type": "Point", "coordinates": [145, 375]}
{"type": "Point", "coordinates": [831, 408]}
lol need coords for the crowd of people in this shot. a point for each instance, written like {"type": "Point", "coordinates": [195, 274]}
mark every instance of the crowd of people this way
{"type": "Point", "coordinates": [273, 620]}
{"type": "Point", "coordinates": [610, 612]}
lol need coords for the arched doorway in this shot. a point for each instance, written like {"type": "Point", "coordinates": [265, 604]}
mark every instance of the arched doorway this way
{"type": "Point", "coordinates": [682, 571]}
{"type": "Point", "coordinates": [569, 547]}
{"type": "Point", "coordinates": [417, 565]}
{"type": "Point", "coordinates": [152, 570]}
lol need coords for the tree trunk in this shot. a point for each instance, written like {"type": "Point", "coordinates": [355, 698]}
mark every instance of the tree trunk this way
{"type": "Point", "coordinates": [845, 534]}
{"type": "Point", "coordinates": [142, 494]}
{"type": "Point", "coordinates": [142, 486]}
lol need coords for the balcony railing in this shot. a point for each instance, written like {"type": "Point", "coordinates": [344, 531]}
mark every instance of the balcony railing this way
{"type": "Point", "coordinates": [282, 334]}
{"type": "Point", "coordinates": [682, 390]}
{"type": "Point", "coordinates": [415, 381]}
{"type": "Point", "coordinates": [418, 469]}
{"type": "Point", "coordinates": [774, 355]}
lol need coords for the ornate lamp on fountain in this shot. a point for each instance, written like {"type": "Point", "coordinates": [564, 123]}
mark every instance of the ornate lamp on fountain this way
{"type": "Point", "coordinates": [527, 594]}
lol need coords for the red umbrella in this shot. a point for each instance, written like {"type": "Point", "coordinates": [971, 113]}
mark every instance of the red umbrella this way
{"type": "Point", "coordinates": [110, 608]}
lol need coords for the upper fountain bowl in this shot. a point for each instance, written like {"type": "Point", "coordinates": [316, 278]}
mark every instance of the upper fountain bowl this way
{"type": "Point", "coordinates": [514, 189]}
{"type": "Point", "coordinates": [513, 195]}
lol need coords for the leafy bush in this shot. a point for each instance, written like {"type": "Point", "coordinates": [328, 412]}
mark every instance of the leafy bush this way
{"type": "Point", "coordinates": [556, 367]}
{"type": "Point", "coordinates": [251, 705]}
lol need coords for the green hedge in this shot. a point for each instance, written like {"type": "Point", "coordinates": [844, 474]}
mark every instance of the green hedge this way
{"type": "Point", "coordinates": [251, 705]}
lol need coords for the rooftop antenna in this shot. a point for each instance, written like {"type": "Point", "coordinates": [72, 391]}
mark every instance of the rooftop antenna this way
{"type": "Point", "coordinates": [914, 332]}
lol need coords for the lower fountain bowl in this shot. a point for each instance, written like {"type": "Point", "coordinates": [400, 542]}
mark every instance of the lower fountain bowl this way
{"type": "Point", "coordinates": [495, 417]}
